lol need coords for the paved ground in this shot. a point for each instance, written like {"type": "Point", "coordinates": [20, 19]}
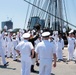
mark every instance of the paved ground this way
{"type": "Point", "coordinates": [63, 68]}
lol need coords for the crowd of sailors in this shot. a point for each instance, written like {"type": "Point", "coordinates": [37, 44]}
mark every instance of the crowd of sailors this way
{"type": "Point", "coordinates": [40, 50]}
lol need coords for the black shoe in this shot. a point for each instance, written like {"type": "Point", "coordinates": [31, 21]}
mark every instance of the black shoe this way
{"type": "Point", "coordinates": [59, 60]}
{"type": "Point", "coordinates": [15, 60]}
{"type": "Point", "coordinates": [37, 63]}
{"type": "Point", "coordinates": [75, 62]}
{"type": "Point", "coordinates": [34, 71]}
{"type": "Point", "coordinates": [32, 68]}
{"type": "Point", "coordinates": [6, 64]}
{"type": "Point", "coordinates": [5, 55]}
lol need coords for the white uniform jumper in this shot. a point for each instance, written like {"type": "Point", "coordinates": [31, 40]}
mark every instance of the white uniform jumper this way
{"type": "Point", "coordinates": [25, 48]}
{"type": "Point", "coordinates": [15, 42]}
{"type": "Point", "coordinates": [9, 46]}
{"type": "Point", "coordinates": [4, 44]}
{"type": "Point", "coordinates": [71, 45]}
{"type": "Point", "coordinates": [60, 46]}
{"type": "Point", "coordinates": [75, 50]}
{"type": "Point", "coordinates": [1, 49]}
{"type": "Point", "coordinates": [45, 49]}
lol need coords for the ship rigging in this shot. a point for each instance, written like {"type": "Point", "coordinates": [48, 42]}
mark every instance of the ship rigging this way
{"type": "Point", "coordinates": [48, 13]}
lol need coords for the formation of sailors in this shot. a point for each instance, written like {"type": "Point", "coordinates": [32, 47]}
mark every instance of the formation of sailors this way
{"type": "Point", "coordinates": [23, 43]}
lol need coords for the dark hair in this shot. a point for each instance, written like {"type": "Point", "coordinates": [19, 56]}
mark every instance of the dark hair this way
{"type": "Point", "coordinates": [37, 26]}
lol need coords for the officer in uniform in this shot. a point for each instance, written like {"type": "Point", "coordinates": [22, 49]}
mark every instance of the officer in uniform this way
{"type": "Point", "coordinates": [45, 50]}
{"type": "Point", "coordinates": [25, 48]}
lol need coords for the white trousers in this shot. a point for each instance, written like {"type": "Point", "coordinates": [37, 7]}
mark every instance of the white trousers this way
{"type": "Point", "coordinates": [5, 52]}
{"type": "Point", "coordinates": [70, 53]}
{"type": "Point", "coordinates": [14, 54]}
{"type": "Point", "coordinates": [59, 54]}
{"type": "Point", "coordinates": [74, 53]}
{"type": "Point", "coordinates": [26, 65]}
{"type": "Point", "coordinates": [2, 55]}
{"type": "Point", "coordinates": [45, 67]}
{"type": "Point", "coordinates": [9, 51]}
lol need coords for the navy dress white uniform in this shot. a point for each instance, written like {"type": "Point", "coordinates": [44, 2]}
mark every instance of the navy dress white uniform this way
{"type": "Point", "coordinates": [4, 44]}
{"type": "Point", "coordinates": [15, 43]}
{"type": "Point", "coordinates": [75, 49]}
{"type": "Point", "coordinates": [60, 46]}
{"type": "Point", "coordinates": [71, 45]}
{"type": "Point", "coordinates": [25, 47]}
{"type": "Point", "coordinates": [1, 50]}
{"type": "Point", "coordinates": [46, 51]}
{"type": "Point", "coordinates": [9, 45]}
{"type": "Point", "coordinates": [19, 37]}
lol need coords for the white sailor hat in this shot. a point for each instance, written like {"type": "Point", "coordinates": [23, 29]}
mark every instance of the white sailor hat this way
{"type": "Point", "coordinates": [33, 31]}
{"type": "Point", "coordinates": [5, 33]}
{"type": "Point", "coordinates": [14, 34]}
{"type": "Point", "coordinates": [41, 31]}
{"type": "Point", "coordinates": [26, 35]}
{"type": "Point", "coordinates": [5, 27]}
{"type": "Point", "coordinates": [45, 34]}
{"type": "Point", "coordinates": [71, 31]}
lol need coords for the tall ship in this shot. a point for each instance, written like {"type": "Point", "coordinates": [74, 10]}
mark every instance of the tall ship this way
{"type": "Point", "coordinates": [48, 14]}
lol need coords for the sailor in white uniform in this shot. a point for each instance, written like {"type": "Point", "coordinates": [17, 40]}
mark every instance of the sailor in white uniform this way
{"type": "Point", "coordinates": [4, 43]}
{"type": "Point", "coordinates": [71, 45]}
{"type": "Point", "coordinates": [46, 50]}
{"type": "Point", "coordinates": [2, 51]}
{"type": "Point", "coordinates": [9, 45]}
{"type": "Point", "coordinates": [25, 48]}
{"type": "Point", "coordinates": [75, 49]}
{"type": "Point", "coordinates": [60, 47]}
{"type": "Point", "coordinates": [15, 43]}
{"type": "Point", "coordinates": [18, 37]}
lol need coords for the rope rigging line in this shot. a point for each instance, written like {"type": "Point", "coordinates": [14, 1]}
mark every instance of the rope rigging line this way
{"type": "Point", "coordinates": [41, 1]}
{"type": "Point", "coordinates": [38, 4]}
{"type": "Point", "coordinates": [55, 11]}
{"type": "Point", "coordinates": [49, 13]}
{"type": "Point", "coordinates": [44, 7]}
{"type": "Point", "coordinates": [46, 15]}
{"type": "Point", "coordinates": [65, 10]}
{"type": "Point", "coordinates": [27, 14]}
{"type": "Point", "coordinates": [33, 9]}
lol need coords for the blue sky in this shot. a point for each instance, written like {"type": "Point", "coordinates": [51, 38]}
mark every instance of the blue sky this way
{"type": "Point", "coordinates": [16, 10]}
